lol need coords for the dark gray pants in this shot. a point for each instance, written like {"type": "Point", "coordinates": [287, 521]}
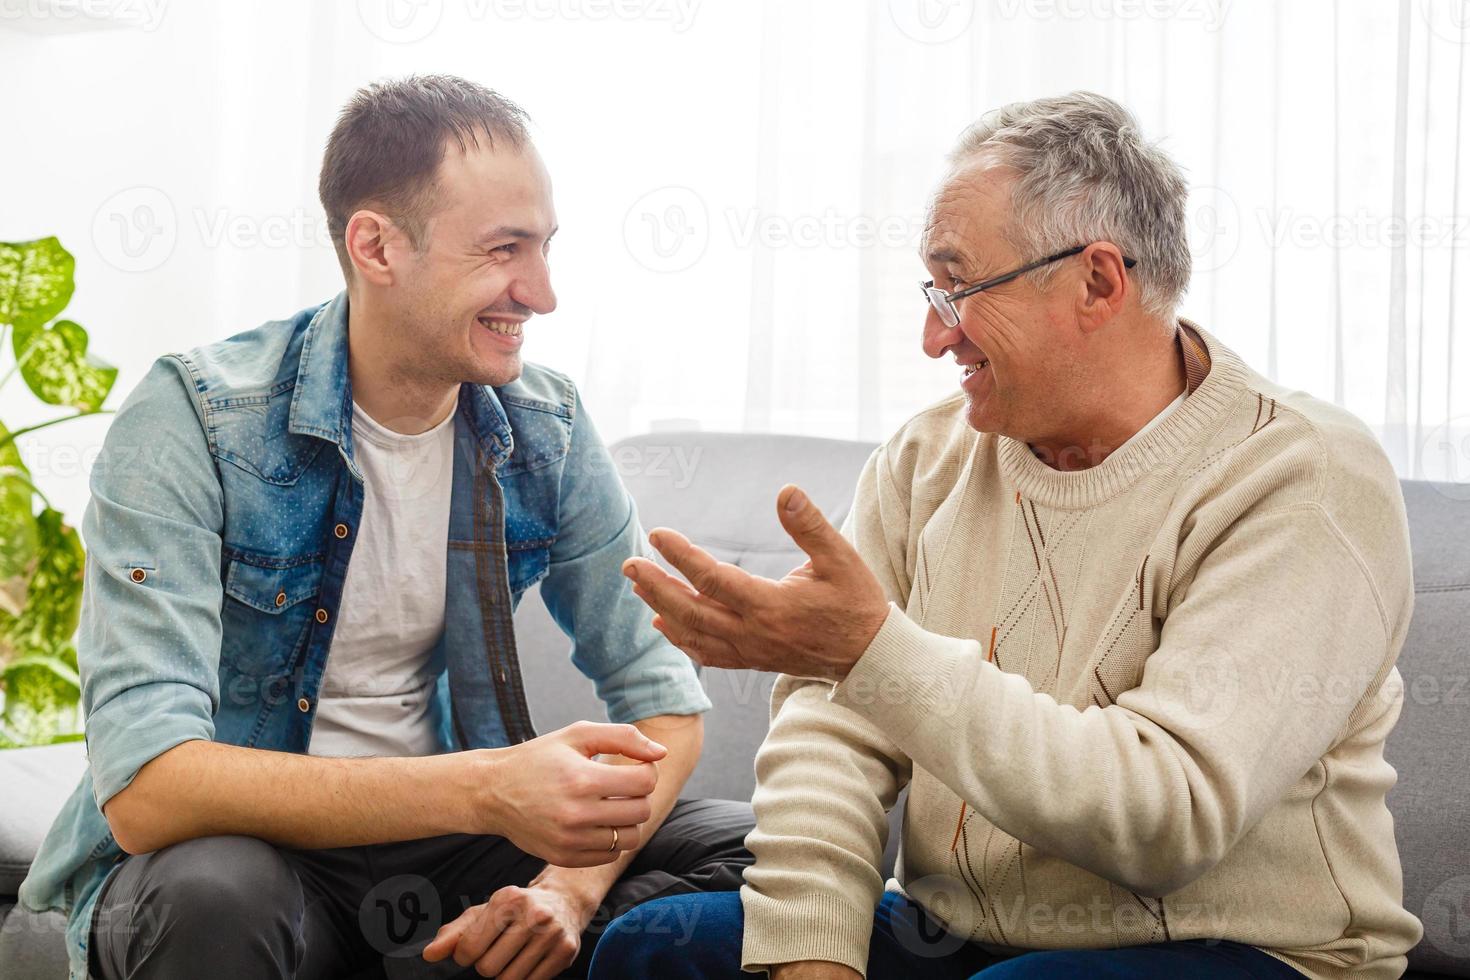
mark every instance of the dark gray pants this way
{"type": "Point", "coordinates": [238, 907]}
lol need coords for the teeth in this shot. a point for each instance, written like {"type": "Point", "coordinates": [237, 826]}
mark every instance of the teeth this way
{"type": "Point", "coordinates": [507, 327]}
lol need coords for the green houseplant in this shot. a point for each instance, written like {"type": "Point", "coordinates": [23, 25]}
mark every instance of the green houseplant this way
{"type": "Point", "coordinates": [41, 558]}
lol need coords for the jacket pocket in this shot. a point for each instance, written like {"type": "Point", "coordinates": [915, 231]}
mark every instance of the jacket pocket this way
{"type": "Point", "coordinates": [267, 613]}
{"type": "Point", "coordinates": [527, 563]}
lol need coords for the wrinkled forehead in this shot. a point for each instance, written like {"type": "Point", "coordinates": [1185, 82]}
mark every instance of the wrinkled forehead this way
{"type": "Point", "coordinates": [968, 215]}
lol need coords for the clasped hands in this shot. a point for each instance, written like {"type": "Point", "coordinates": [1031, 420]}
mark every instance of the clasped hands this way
{"type": "Point", "coordinates": [815, 622]}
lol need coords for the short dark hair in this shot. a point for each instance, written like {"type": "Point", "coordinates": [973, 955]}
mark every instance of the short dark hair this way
{"type": "Point", "coordinates": [390, 138]}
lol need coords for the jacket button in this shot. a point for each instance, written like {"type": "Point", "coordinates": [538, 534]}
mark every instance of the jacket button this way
{"type": "Point", "coordinates": [304, 705]}
{"type": "Point", "coordinates": [340, 530]}
{"type": "Point", "coordinates": [138, 575]}
{"type": "Point", "coordinates": [321, 615]}
{"type": "Point", "coordinates": [280, 598]}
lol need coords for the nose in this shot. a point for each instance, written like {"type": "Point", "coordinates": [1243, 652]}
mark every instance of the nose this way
{"type": "Point", "coordinates": [938, 336]}
{"type": "Point", "coordinates": [533, 287]}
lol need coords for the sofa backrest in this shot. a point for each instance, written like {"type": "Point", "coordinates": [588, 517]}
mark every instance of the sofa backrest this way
{"type": "Point", "coordinates": [720, 489]}
{"type": "Point", "coordinates": [1430, 746]}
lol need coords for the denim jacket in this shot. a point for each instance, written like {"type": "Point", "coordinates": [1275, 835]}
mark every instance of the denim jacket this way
{"type": "Point", "coordinates": [223, 514]}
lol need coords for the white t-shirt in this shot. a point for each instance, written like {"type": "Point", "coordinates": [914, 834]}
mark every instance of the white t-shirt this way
{"type": "Point", "coordinates": [375, 695]}
{"type": "Point", "coordinates": [1154, 422]}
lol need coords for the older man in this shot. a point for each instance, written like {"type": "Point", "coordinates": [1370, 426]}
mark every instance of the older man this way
{"type": "Point", "coordinates": [1122, 615]}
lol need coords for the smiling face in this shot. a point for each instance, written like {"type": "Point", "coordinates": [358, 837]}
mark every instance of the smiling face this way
{"type": "Point", "coordinates": [1019, 348]}
{"type": "Point", "coordinates": [461, 300]}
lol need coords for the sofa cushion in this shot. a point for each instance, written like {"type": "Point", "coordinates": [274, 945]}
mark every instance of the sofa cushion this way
{"type": "Point", "coordinates": [719, 489]}
{"type": "Point", "coordinates": [37, 782]}
{"type": "Point", "coordinates": [1430, 746]}
{"type": "Point", "coordinates": [32, 946]}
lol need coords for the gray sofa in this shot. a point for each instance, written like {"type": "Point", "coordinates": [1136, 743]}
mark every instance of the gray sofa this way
{"type": "Point", "coordinates": [721, 489]}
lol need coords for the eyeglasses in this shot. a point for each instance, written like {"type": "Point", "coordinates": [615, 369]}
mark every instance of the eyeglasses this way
{"type": "Point", "coordinates": [943, 302]}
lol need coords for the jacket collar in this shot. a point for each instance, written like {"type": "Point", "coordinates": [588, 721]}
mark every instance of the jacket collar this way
{"type": "Point", "coordinates": [321, 405]}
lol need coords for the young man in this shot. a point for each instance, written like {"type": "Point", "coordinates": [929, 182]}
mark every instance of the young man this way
{"type": "Point", "coordinates": [1121, 613]}
{"type": "Point", "coordinates": [310, 751]}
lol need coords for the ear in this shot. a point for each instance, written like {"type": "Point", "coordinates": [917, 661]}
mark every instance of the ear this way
{"type": "Point", "coordinates": [369, 237]}
{"type": "Point", "coordinates": [1105, 286]}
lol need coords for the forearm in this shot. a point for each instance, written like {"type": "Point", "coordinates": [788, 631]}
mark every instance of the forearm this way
{"type": "Point", "coordinates": [1106, 789]}
{"type": "Point", "coordinates": [683, 736]}
{"type": "Point", "coordinates": [814, 970]}
{"type": "Point", "coordinates": [1149, 792]}
{"type": "Point", "coordinates": [825, 780]}
{"type": "Point", "coordinates": [201, 788]}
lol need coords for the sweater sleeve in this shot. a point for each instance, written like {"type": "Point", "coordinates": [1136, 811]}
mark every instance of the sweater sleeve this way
{"type": "Point", "coordinates": [825, 779]}
{"type": "Point", "coordinates": [1280, 635]}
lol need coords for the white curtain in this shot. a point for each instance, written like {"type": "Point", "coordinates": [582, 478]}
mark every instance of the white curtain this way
{"type": "Point", "coordinates": [740, 184]}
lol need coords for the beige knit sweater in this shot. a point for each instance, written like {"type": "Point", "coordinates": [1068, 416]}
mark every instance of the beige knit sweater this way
{"type": "Point", "coordinates": [1137, 703]}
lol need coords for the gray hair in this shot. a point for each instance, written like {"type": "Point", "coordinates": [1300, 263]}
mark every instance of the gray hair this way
{"type": "Point", "coordinates": [1085, 173]}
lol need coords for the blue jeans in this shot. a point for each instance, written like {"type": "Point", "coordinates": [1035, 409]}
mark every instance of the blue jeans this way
{"type": "Point", "coordinates": [697, 937]}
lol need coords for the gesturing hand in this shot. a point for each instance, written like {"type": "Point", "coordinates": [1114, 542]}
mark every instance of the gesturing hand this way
{"type": "Point", "coordinates": [815, 622]}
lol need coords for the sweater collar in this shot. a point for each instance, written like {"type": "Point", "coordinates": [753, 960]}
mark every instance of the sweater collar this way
{"type": "Point", "coordinates": [1215, 378]}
